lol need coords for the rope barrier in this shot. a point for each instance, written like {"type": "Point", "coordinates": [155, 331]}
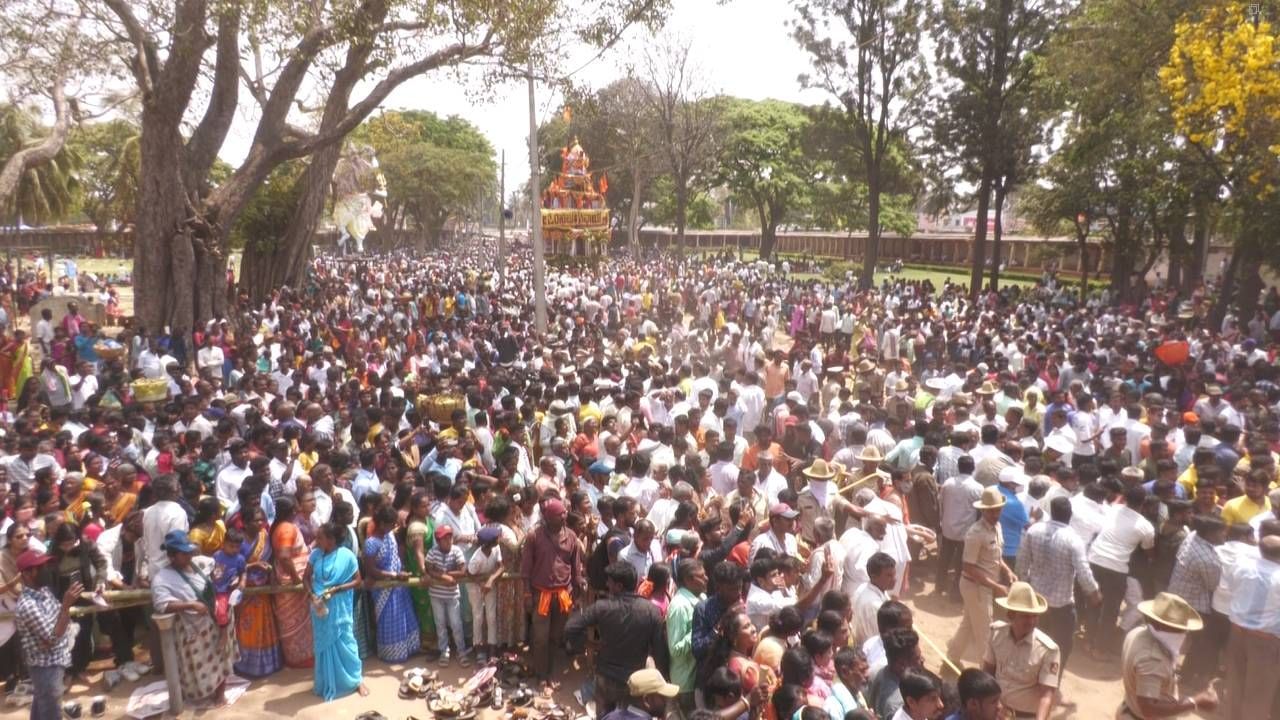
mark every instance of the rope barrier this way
{"type": "Point", "coordinates": [938, 650]}
{"type": "Point", "coordinates": [135, 597]}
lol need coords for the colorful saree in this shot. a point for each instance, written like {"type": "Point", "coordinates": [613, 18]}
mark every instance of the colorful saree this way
{"type": "Point", "coordinates": [255, 620]}
{"type": "Point", "coordinates": [393, 607]}
{"type": "Point", "coordinates": [205, 651]}
{"type": "Point", "coordinates": [421, 595]}
{"type": "Point", "coordinates": [337, 656]}
{"type": "Point", "coordinates": [292, 609]}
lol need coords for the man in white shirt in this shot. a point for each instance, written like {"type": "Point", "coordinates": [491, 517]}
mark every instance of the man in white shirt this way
{"type": "Point", "coordinates": [859, 545]}
{"type": "Point", "coordinates": [165, 515]}
{"type": "Point", "coordinates": [956, 498]}
{"type": "Point", "coordinates": [83, 385]}
{"type": "Point", "coordinates": [1124, 530]}
{"type": "Point", "coordinates": [641, 552]}
{"type": "Point", "coordinates": [23, 466]}
{"type": "Point", "coordinates": [752, 402]}
{"type": "Point", "coordinates": [871, 595]}
{"type": "Point", "coordinates": [209, 359]}
{"type": "Point", "coordinates": [765, 597]}
{"type": "Point", "coordinates": [779, 537]}
{"type": "Point", "coordinates": [231, 477]}
{"type": "Point", "coordinates": [641, 485]}
{"type": "Point", "coordinates": [723, 473]}
{"type": "Point", "coordinates": [1088, 511]}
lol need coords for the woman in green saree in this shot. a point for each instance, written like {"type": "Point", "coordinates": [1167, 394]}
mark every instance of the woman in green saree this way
{"type": "Point", "coordinates": [419, 537]}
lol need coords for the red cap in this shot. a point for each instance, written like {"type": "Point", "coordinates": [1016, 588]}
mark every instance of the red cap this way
{"type": "Point", "coordinates": [553, 508]}
{"type": "Point", "coordinates": [32, 559]}
{"type": "Point", "coordinates": [444, 531]}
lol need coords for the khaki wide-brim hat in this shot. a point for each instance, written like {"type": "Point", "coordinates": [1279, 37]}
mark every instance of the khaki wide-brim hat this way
{"type": "Point", "coordinates": [1169, 609]}
{"type": "Point", "coordinates": [1024, 599]}
{"type": "Point", "coordinates": [820, 470]}
{"type": "Point", "coordinates": [988, 388]}
{"type": "Point", "coordinates": [990, 500]}
{"type": "Point", "coordinates": [866, 366]}
{"type": "Point", "coordinates": [870, 453]}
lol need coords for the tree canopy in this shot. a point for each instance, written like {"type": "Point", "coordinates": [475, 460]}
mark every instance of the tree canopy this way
{"type": "Point", "coordinates": [436, 168]}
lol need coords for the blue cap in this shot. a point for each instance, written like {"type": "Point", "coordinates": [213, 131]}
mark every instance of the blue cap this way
{"type": "Point", "coordinates": [488, 535]}
{"type": "Point", "coordinates": [177, 541]}
{"type": "Point", "coordinates": [601, 467]}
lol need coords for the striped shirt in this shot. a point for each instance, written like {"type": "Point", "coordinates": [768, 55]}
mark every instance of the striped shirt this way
{"type": "Point", "coordinates": [441, 562]}
{"type": "Point", "coordinates": [1053, 559]}
{"type": "Point", "coordinates": [1196, 573]}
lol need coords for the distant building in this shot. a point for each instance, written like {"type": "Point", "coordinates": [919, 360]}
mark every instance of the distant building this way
{"type": "Point", "coordinates": [966, 220]}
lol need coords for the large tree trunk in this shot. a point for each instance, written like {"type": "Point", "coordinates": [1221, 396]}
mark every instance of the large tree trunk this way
{"type": "Point", "coordinates": [872, 256]}
{"type": "Point", "coordinates": [682, 209]}
{"type": "Point", "coordinates": [1122, 264]}
{"type": "Point", "coordinates": [997, 252]}
{"type": "Point", "coordinates": [633, 213]}
{"type": "Point", "coordinates": [1199, 244]}
{"type": "Point", "coordinates": [1082, 238]}
{"type": "Point", "coordinates": [167, 254]}
{"type": "Point", "coordinates": [265, 268]}
{"type": "Point", "coordinates": [1226, 288]}
{"type": "Point", "coordinates": [977, 270]}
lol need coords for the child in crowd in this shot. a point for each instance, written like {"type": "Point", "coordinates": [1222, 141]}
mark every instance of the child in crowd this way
{"type": "Point", "coordinates": [446, 565]}
{"type": "Point", "coordinates": [228, 569]}
{"type": "Point", "coordinates": [484, 568]}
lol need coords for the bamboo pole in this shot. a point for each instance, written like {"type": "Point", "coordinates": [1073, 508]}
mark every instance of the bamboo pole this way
{"type": "Point", "coordinates": [134, 597]}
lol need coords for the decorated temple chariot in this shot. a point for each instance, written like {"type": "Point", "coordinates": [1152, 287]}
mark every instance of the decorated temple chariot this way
{"type": "Point", "coordinates": [575, 219]}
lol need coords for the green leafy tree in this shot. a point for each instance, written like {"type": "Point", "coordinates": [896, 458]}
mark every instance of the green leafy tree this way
{"type": "Point", "coordinates": [984, 122]}
{"type": "Point", "coordinates": [866, 55]}
{"type": "Point", "coordinates": [436, 168]}
{"type": "Point", "coordinates": [763, 161]}
{"type": "Point", "coordinates": [840, 199]}
{"type": "Point", "coordinates": [1117, 157]}
{"type": "Point", "coordinates": [699, 215]}
{"type": "Point", "coordinates": [47, 191]}
{"type": "Point", "coordinates": [266, 216]}
{"type": "Point", "coordinates": [109, 178]}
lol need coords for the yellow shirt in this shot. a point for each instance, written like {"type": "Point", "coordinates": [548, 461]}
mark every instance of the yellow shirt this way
{"type": "Point", "coordinates": [308, 460]}
{"type": "Point", "coordinates": [208, 541]}
{"type": "Point", "coordinates": [1188, 480]}
{"type": "Point", "coordinates": [1242, 509]}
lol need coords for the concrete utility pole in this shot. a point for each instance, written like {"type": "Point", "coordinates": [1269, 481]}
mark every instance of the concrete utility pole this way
{"type": "Point", "coordinates": [502, 221]}
{"type": "Point", "coordinates": [535, 221]}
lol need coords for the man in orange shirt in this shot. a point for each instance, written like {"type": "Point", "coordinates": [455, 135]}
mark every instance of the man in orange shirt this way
{"type": "Point", "coordinates": [764, 444]}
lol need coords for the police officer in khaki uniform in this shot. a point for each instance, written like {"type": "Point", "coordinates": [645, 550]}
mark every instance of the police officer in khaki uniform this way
{"type": "Point", "coordinates": [821, 499]}
{"type": "Point", "coordinates": [1025, 661]}
{"type": "Point", "coordinates": [1149, 662]}
{"type": "Point", "coordinates": [982, 569]}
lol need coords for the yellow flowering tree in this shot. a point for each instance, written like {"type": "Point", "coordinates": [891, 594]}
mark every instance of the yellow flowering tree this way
{"type": "Point", "coordinates": [1222, 80]}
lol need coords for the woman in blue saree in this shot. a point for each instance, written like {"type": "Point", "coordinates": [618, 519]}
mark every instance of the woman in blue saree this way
{"type": "Point", "coordinates": [330, 578]}
{"type": "Point", "coordinates": [392, 607]}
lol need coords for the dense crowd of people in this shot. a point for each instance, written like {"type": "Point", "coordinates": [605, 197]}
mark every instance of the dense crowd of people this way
{"type": "Point", "coordinates": [722, 481]}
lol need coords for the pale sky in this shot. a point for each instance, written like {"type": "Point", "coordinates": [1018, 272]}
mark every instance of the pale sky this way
{"type": "Point", "coordinates": [744, 48]}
